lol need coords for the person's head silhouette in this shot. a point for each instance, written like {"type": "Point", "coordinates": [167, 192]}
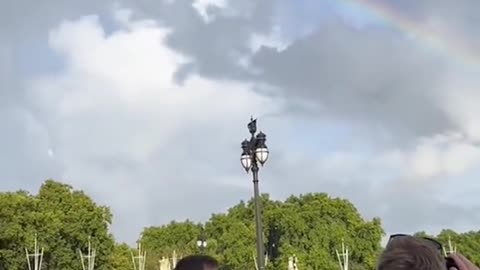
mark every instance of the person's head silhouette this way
{"type": "Point", "coordinates": [197, 262]}
{"type": "Point", "coordinates": [404, 252]}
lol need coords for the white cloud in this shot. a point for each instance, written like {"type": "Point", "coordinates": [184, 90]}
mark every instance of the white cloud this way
{"type": "Point", "coordinates": [274, 40]}
{"type": "Point", "coordinates": [442, 155]}
{"type": "Point", "coordinates": [430, 158]}
{"type": "Point", "coordinates": [202, 5]}
{"type": "Point", "coordinates": [116, 103]}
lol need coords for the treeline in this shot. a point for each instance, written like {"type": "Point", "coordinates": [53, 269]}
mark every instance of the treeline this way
{"type": "Point", "coordinates": [309, 226]}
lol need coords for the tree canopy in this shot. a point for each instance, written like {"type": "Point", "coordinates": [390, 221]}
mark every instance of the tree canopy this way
{"type": "Point", "coordinates": [63, 219]}
{"type": "Point", "coordinates": [467, 243]}
{"type": "Point", "coordinates": [311, 227]}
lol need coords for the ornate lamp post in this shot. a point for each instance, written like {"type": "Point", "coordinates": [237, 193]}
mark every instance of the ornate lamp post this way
{"type": "Point", "coordinates": [255, 152]}
{"type": "Point", "coordinates": [202, 243]}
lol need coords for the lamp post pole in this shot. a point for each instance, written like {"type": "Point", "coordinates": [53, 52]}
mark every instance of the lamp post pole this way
{"type": "Point", "coordinates": [255, 152]}
{"type": "Point", "coordinates": [258, 220]}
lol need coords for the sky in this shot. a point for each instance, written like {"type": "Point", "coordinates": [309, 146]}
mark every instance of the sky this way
{"type": "Point", "coordinates": [143, 104]}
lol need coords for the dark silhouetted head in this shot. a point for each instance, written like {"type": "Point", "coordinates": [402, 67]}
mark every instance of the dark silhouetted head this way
{"type": "Point", "coordinates": [197, 262]}
{"type": "Point", "coordinates": [411, 253]}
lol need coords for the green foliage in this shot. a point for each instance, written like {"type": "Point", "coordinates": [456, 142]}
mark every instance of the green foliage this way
{"type": "Point", "coordinates": [63, 219]}
{"type": "Point", "coordinates": [309, 226]}
{"type": "Point", "coordinates": [467, 243]}
{"type": "Point", "coordinates": [160, 242]}
{"type": "Point", "coordinates": [312, 226]}
{"type": "Point", "coordinates": [121, 257]}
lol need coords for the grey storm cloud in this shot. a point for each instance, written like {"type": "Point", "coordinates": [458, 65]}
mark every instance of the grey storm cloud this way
{"type": "Point", "coordinates": [373, 76]}
{"type": "Point", "coordinates": [366, 76]}
{"type": "Point", "coordinates": [214, 47]}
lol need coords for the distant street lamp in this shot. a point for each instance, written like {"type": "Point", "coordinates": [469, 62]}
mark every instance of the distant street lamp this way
{"type": "Point", "coordinates": [255, 151]}
{"type": "Point", "coordinates": [202, 243]}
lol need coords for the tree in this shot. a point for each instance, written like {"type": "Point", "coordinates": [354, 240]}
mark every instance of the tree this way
{"type": "Point", "coordinates": [71, 219]}
{"type": "Point", "coordinates": [63, 219]}
{"type": "Point", "coordinates": [310, 226]}
{"type": "Point", "coordinates": [16, 212]}
{"type": "Point", "coordinates": [467, 243]}
{"type": "Point", "coordinates": [234, 237]}
{"type": "Point", "coordinates": [159, 242]}
{"type": "Point", "coordinates": [121, 257]}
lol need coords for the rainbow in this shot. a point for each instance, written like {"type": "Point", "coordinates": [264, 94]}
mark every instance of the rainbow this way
{"type": "Point", "coordinates": [447, 43]}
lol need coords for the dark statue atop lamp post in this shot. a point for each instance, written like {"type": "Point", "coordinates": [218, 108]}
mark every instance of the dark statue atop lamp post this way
{"type": "Point", "coordinates": [255, 153]}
